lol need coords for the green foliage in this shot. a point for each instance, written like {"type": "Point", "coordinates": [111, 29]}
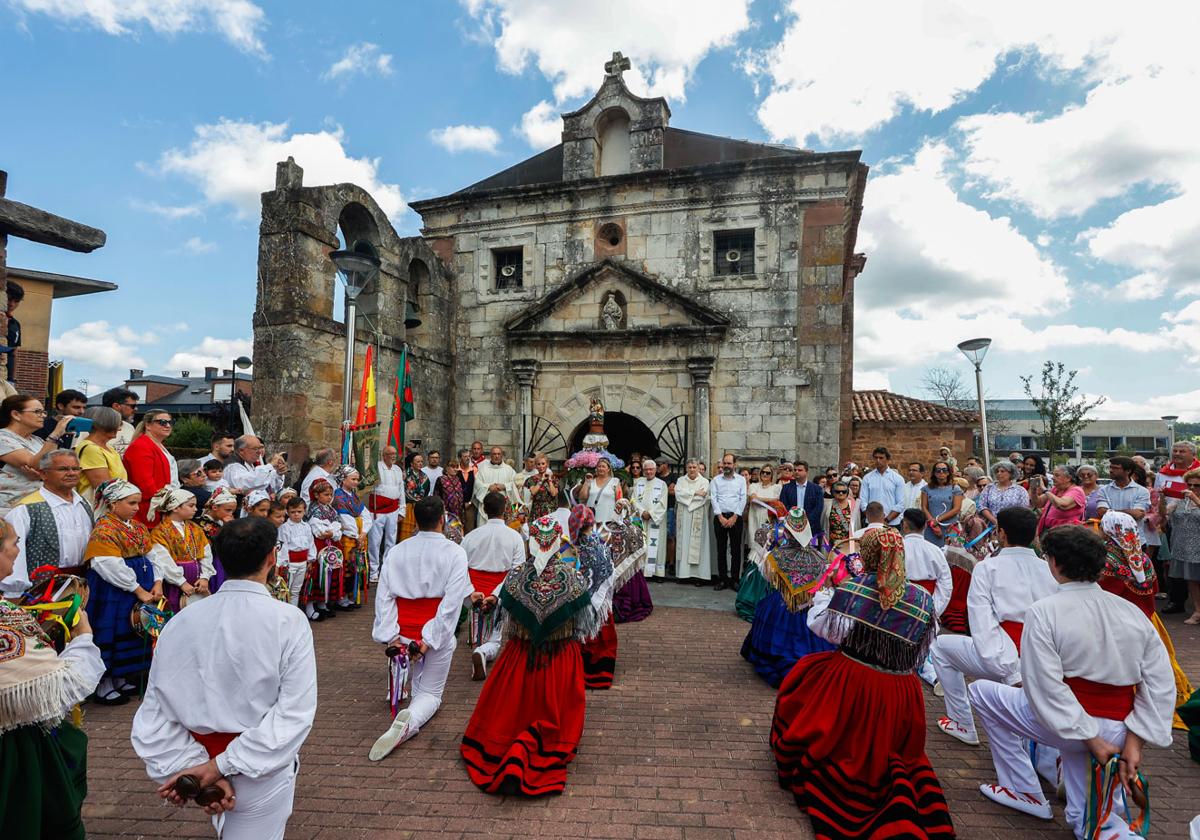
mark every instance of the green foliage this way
{"type": "Point", "coordinates": [1101, 455]}
{"type": "Point", "coordinates": [1126, 449]}
{"type": "Point", "coordinates": [1062, 409]}
{"type": "Point", "coordinates": [190, 433]}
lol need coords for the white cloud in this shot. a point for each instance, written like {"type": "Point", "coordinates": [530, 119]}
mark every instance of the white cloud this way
{"type": "Point", "coordinates": [466, 138]}
{"type": "Point", "coordinates": [233, 163]}
{"type": "Point", "coordinates": [168, 211]}
{"type": "Point", "coordinates": [541, 126]}
{"type": "Point", "coordinates": [210, 352]}
{"type": "Point", "coordinates": [363, 58]}
{"type": "Point", "coordinates": [195, 245]}
{"type": "Point", "coordinates": [101, 344]}
{"type": "Point", "coordinates": [1185, 405]}
{"type": "Point", "coordinates": [871, 380]}
{"type": "Point", "coordinates": [569, 40]}
{"type": "Point", "coordinates": [238, 21]}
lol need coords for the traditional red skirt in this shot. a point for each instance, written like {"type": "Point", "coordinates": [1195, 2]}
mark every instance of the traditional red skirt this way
{"type": "Point", "coordinates": [314, 582]}
{"type": "Point", "coordinates": [527, 724]}
{"type": "Point", "coordinates": [600, 657]}
{"type": "Point", "coordinates": [954, 617]}
{"type": "Point", "coordinates": [849, 742]}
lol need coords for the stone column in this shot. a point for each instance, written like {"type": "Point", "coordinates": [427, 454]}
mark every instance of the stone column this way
{"type": "Point", "coordinates": [525, 371]}
{"type": "Point", "coordinates": [701, 368]}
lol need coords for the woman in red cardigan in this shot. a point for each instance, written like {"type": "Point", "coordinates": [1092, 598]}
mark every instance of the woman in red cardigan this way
{"type": "Point", "coordinates": [150, 466]}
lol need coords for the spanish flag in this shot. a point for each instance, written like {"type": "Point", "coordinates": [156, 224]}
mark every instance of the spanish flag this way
{"type": "Point", "coordinates": [366, 396]}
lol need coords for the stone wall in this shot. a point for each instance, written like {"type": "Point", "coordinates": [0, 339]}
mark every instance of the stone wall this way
{"type": "Point", "coordinates": [911, 442]}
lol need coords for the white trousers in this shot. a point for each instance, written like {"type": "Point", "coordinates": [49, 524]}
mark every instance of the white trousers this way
{"type": "Point", "coordinates": [1009, 722]}
{"type": "Point", "coordinates": [263, 806]}
{"type": "Point", "coordinates": [491, 648]}
{"type": "Point", "coordinates": [429, 681]}
{"type": "Point", "coordinates": [296, 572]}
{"type": "Point", "coordinates": [954, 659]}
{"type": "Point", "coordinates": [381, 537]}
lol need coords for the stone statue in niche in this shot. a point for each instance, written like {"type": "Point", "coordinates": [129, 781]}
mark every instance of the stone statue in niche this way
{"type": "Point", "coordinates": [611, 313]}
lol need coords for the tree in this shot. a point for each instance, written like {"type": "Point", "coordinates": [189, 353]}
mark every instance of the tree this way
{"type": "Point", "coordinates": [946, 386]}
{"type": "Point", "coordinates": [1064, 412]}
{"type": "Point", "coordinates": [1100, 455]}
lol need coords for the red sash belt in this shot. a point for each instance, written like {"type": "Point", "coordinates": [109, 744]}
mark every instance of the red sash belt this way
{"type": "Point", "coordinates": [298, 555]}
{"type": "Point", "coordinates": [927, 585]}
{"type": "Point", "coordinates": [382, 504]}
{"type": "Point", "coordinates": [485, 582]}
{"type": "Point", "coordinates": [214, 742]}
{"type": "Point", "coordinates": [413, 613]}
{"type": "Point", "coordinates": [1113, 702]}
{"type": "Point", "coordinates": [1013, 629]}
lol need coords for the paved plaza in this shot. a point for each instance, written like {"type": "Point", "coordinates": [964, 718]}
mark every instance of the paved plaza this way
{"type": "Point", "coordinates": [677, 749]}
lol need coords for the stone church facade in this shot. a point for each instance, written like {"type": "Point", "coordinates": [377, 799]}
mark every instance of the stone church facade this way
{"type": "Point", "coordinates": [701, 287]}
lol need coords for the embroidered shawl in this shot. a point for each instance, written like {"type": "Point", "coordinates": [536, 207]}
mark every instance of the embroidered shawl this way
{"type": "Point", "coordinates": [794, 569]}
{"type": "Point", "coordinates": [416, 485]}
{"type": "Point", "coordinates": [187, 547]}
{"type": "Point", "coordinates": [549, 607]}
{"type": "Point", "coordinates": [908, 619]}
{"type": "Point", "coordinates": [325, 513]}
{"type": "Point", "coordinates": [36, 687]}
{"type": "Point", "coordinates": [113, 538]}
{"type": "Point", "coordinates": [347, 503]}
{"type": "Point", "coordinates": [1125, 559]}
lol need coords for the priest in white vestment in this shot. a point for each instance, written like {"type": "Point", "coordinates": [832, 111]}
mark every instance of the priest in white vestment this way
{"type": "Point", "coordinates": [649, 497]}
{"type": "Point", "coordinates": [233, 692]}
{"type": "Point", "coordinates": [494, 474]}
{"type": "Point", "coordinates": [693, 525]}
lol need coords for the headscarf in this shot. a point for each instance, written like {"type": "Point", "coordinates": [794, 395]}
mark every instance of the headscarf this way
{"type": "Point", "coordinates": [253, 498]}
{"type": "Point", "coordinates": [797, 525]}
{"type": "Point", "coordinates": [1126, 560]}
{"type": "Point", "coordinates": [114, 491]}
{"type": "Point", "coordinates": [545, 538]}
{"type": "Point", "coordinates": [166, 500]}
{"type": "Point", "coordinates": [220, 496]}
{"type": "Point", "coordinates": [881, 551]}
{"type": "Point", "coordinates": [581, 517]}
{"type": "Point", "coordinates": [342, 473]}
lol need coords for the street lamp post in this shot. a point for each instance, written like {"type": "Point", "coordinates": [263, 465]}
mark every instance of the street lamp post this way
{"type": "Point", "coordinates": [975, 349]}
{"type": "Point", "coordinates": [357, 267]}
{"type": "Point", "coordinates": [1170, 420]}
{"type": "Point", "coordinates": [243, 363]}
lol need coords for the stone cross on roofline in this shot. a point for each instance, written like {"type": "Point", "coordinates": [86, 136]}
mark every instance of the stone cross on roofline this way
{"type": "Point", "coordinates": [618, 65]}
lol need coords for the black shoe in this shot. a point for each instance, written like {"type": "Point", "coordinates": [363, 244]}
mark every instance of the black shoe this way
{"type": "Point", "coordinates": [317, 616]}
{"type": "Point", "coordinates": [113, 698]}
{"type": "Point", "coordinates": [130, 690]}
{"type": "Point", "coordinates": [720, 586]}
{"type": "Point", "coordinates": [1171, 609]}
{"type": "Point", "coordinates": [326, 613]}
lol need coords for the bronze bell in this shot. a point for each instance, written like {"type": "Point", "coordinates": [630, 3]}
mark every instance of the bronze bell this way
{"type": "Point", "coordinates": [411, 321]}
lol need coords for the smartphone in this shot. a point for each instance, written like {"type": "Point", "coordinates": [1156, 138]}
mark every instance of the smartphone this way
{"type": "Point", "coordinates": [79, 424]}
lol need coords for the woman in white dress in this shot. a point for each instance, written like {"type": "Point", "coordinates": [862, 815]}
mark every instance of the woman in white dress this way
{"type": "Point", "coordinates": [693, 526]}
{"type": "Point", "coordinates": [766, 489]}
{"type": "Point", "coordinates": [601, 491]}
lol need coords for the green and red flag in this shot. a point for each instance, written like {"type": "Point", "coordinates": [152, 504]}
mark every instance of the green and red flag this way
{"type": "Point", "coordinates": [403, 409]}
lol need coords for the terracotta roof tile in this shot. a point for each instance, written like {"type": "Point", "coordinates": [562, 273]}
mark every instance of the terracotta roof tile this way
{"type": "Point", "coordinates": [886, 407]}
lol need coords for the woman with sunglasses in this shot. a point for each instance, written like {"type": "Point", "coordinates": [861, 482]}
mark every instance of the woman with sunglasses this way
{"type": "Point", "coordinates": [150, 466]}
{"type": "Point", "coordinates": [842, 517]}
{"type": "Point", "coordinates": [20, 448]}
{"type": "Point", "coordinates": [941, 500]}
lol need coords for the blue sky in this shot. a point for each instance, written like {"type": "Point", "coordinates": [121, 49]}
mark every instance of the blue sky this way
{"type": "Point", "coordinates": [1033, 176]}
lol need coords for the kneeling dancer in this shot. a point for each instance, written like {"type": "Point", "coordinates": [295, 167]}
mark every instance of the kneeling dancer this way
{"type": "Point", "coordinates": [421, 589]}
{"type": "Point", "coordinates": [1096, 680]}
{"type": "Point", "coordinates": [849, 726]}
{"type": "Point", "coordinates": [529, 719]}
{"type": "Point", "coordinates": [493, 550]}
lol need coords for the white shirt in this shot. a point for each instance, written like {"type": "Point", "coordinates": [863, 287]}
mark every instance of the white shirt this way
{"type": "Point", "coordinates": [925, 561]}
{"type": "Point", "coordinates": [885, 487]}
{"type": "Point", "coordinates": [728, 495]}
{"type": "Point", "coordinates": [351, 528]}
{"type": "Point", "coordinates": [236, 661]}
{"type": "Point", "coordinates": [166, 567]}
{"type": "Point", "coordinates": [391, 483]}
{"type": "Point", "coordinates": [296, 536]}
{"type": "Point", "coordinates": [1083, 631]}
{"type": "Point", "coordinates": [245, 478]}
{"type": "Point", "coordinates": [74, 526]}
{"type": "Point", "coordinates": [434, 474]}
{"type": "Point", "coordinates": [911, 494]}
{"type": "Point", "coordinates": [1003, 588]}
{"type": "Point", "coordinates": [426, 565]}
{"type": "Point", "coordinates": [313, 474]}
{"type": "Point", "coordinates": [494, 547]}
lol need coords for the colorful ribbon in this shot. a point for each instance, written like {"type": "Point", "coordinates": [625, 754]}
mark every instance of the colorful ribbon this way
{"type": "Point", "coordinates": [1102, 790]}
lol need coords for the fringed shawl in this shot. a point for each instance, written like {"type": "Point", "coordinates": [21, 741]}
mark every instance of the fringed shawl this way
{"type": "Point", "coordinates": [897, 636]}
{"type": "Point", "coordinates": [547, 608]}
{"type": "Point", "coordinates": [416, 485]}
{"type": "Point", "coordinates": [627, 547]}
{"type": "Point", "coordinates": [36, 687]}
{"type": "Point", "coordinates": [793, 569]}
{"type": "Point", "coordinates": [325, 513]}
{"type": "Point", "coordinates": [113, 538]}
{"type": "Point", "coordinates": [882, 553]}
{"type": "Point", "coordinates": [596, 566]}
{"type": "Point", "coordinates": [187, 547]}
{"type": "Point", "coordinates": [347, 503]}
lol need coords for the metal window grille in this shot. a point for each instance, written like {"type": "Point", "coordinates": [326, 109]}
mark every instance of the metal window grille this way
{"type": "Point", "coordinates": [733, 252]}
{"type": "Point", "coordinates": [508, 264]}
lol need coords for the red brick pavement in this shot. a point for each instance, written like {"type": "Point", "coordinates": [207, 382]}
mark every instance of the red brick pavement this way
{"type": "Point", "coordinates": [677, 749]}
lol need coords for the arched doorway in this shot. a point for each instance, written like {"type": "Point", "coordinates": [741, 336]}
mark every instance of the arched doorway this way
{"type": "Point", "coordinates": [626, 434]}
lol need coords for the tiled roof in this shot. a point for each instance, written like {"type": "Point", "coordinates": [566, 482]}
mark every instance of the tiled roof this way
{"type": "Point", "coordinates": [886, 407]}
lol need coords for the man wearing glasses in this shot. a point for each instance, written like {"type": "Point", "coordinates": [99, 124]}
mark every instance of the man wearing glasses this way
{"type": "Point", "coordinates": [125, 403]}
{"type": "Point", "coordinates": [53, 525]}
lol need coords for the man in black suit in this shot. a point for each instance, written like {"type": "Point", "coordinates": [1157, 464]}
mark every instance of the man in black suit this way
{"type": "Point", "coordinates": [807, 494]}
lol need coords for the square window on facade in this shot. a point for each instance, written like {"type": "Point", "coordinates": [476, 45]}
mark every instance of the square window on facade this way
{"type": "Point", "coordinates": [507, 265]}
{"type": "Point", "coordinates": [733, 252]}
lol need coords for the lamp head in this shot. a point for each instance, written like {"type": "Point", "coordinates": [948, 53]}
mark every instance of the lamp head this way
{"type": "Point", "coordinates": [357, 267]}
{"type": "Point", "coordinates": [242, 362]}
{"type": "Point", "coordinates": [1170, 418]}
{"type": "Point", "coordinates": [975, 349]}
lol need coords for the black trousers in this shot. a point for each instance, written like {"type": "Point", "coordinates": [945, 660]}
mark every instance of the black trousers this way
{"type": "Point", "coordinates": [729, 542]}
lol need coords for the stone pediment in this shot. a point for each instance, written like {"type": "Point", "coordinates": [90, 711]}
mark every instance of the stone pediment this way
{"type": "Point", "coordinates": [609, 300]}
